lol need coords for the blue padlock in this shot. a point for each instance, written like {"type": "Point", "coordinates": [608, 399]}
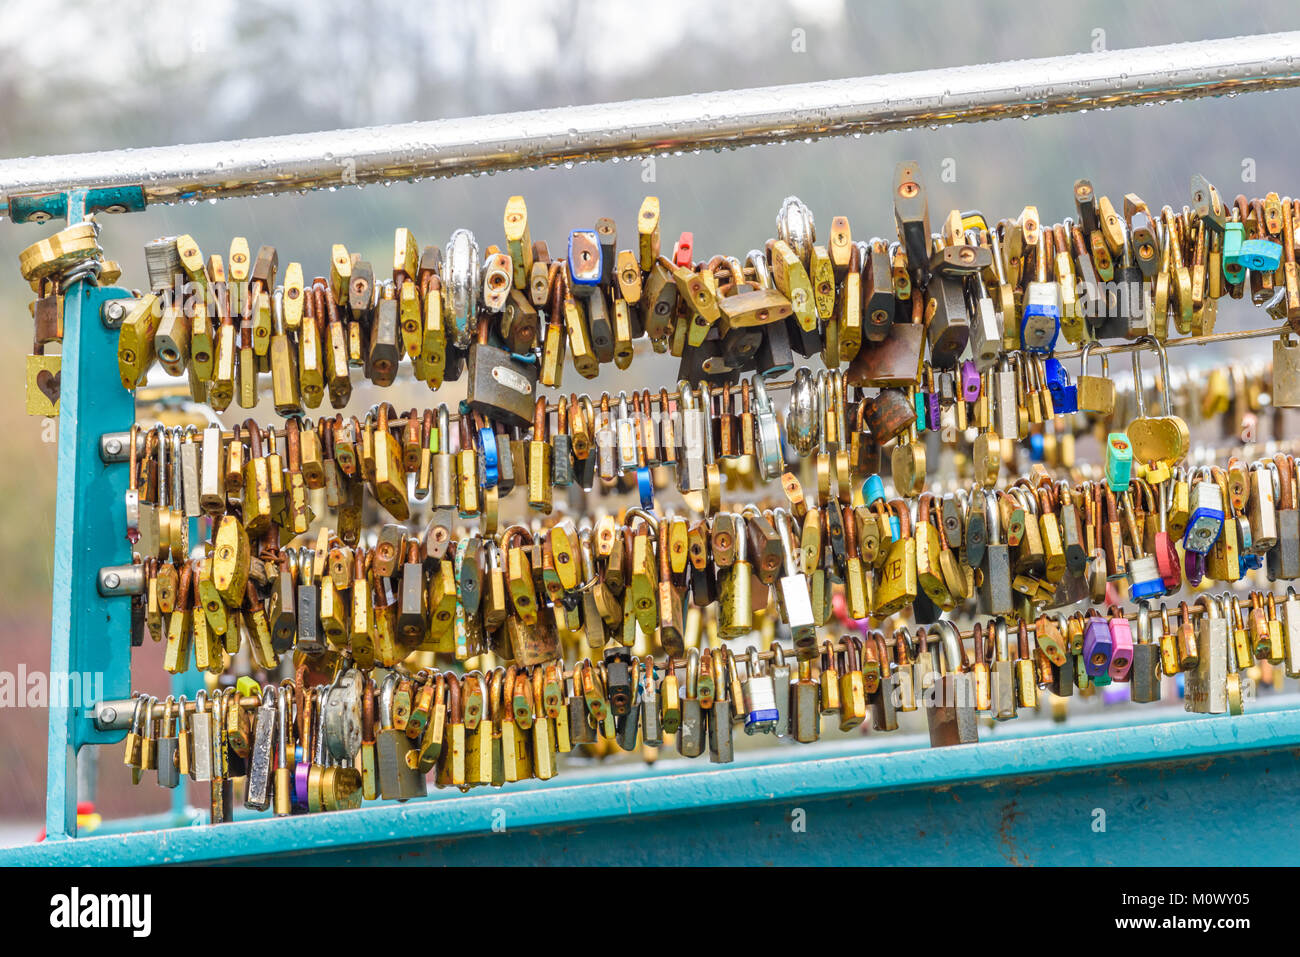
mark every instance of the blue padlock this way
{"type": "Point", "coordinates": [646, 487]}
{"type": "Point", "coordinates": [873, 490]}
{"type": "Point", "coordinates": [1261, 255]}
{"type": "Point", "coordinates": [584, 260]}
{"type": "Point", "coordinates": [1065, 394]}
{"type": "Point", "coordinates": [488, 442]}
{"type": "Point", "coordinates": [1205, 524]}
{"type": "Point", "coordinates": [1036, 447]}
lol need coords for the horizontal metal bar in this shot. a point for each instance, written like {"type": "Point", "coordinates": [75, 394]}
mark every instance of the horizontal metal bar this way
{"type": "Point", "coordinates": [1210, 339]}
{"type": "Point", "coordinates": [452, 147]}
{"type": "Point", "coordinates": [672, 789]}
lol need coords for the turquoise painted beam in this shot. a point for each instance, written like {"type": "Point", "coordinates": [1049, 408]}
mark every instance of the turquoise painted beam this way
{"type": "Point", "coordinates": [88, 635]}
{"type": "Point", "coordinates": [1036, 793]}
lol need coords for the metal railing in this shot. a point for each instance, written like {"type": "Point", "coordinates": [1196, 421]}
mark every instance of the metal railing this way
{"type": "Point", "coordinates": [774, 114]}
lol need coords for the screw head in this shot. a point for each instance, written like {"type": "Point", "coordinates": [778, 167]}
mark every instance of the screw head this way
{"type": "Point", "coordinates": [112, 580]}
{"type": "Point", "coordinates": [113, 446]}
{"type": "Point", "coordinates": [116, 311]}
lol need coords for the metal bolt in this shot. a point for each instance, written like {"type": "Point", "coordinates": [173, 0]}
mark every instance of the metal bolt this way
{"type": "Point", "coordinates": [112, 580]}
{"type": "Point", "coordinates": [116, 311]}
{"type": "Point", "coordinates": [113, 446]}
{"type": "Point", "coordinates": [108, 715]}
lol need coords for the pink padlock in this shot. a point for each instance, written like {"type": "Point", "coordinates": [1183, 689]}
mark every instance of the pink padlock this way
{"type": "Point", "coordinates": [1121, 639]}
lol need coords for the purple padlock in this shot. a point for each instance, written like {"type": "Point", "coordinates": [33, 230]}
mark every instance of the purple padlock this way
{"type": "Point", "coordinates": [970, 381]}
{"type": "Point", "coordinates": [1097, 645]}
{"type": "Point", "coordinates": [1194, 567]}
{"type": "Point", "coordinates": [1121, 645]}
{"type": "Point", "coordinates": [932, 406]}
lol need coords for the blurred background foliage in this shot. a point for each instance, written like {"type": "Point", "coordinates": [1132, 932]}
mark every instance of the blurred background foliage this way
{"type": "Point", "coordinates": [106, 74]}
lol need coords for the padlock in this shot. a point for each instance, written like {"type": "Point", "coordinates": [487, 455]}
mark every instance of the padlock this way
{"type": "Point", "coordinates": [258, 784]}
{"type": "Point", "coordinates": [398, 779]}
{"type": "Point", "coordinates": [461, 286]}
{"type": "Point", "coordinates": [1162, 439]}
{"type": "Point", "coordinates": [690, 733]}
{"type": "Point", "coordinates": [947, 324]}
{"type": "Point", "coordinates": [985, 326]}
{"type": "Point", "coordinates": [1205, 688]}
{"type": "Point", "coordinates": [1286, 372]}
{"type": "Point", "coordinates": [498, 384]}
{"type": "Point", "coordinates": [1002, 684]}
{"type": "Point", "coordinates": [721, 742]}
{"type": "Point", "coordinates": [888, 415]}
{"type": "Point", "coordinates": [995, 587]}
{"type": "Point", "coordinates": [1145, 674]}
{"type": "Point", "coordinates": [1121, 645]}
{"type": "Point", "coordinates": [950, 701]}
{"type": "Point", "coordinates": [1206, 521]}
{"type": "Point", "coordinates": [792, 589]}
{"type": "Point", "coordinates": [1095, 393]}
{"type": "Point", "coordinates": [1040, 317]}
{"type": "Point", "coordinates": [1065, 395]}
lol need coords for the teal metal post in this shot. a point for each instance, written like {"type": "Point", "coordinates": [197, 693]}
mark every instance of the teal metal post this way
{"type": "Point", "coordinates": [88, 631]}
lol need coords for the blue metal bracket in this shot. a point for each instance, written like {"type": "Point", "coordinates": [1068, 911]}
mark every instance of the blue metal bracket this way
{"type": "Point", "coordinates": [45, 207]}
{"type": "Point", "coordinates": [87, 636]}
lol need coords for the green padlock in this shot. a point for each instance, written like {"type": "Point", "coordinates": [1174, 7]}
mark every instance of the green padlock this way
{"type": "Point", "coordinates": [1119, 461]}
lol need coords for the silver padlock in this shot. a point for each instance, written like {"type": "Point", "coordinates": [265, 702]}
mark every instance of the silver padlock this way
{"type": "Point", "coordinates": [606, 437]}
{"type": "Point", "coordinates": [652, 733]}
{"type": "Point", "coordinates": [1284, 557]}
{"type": "Point", "coordinates": [461, 283]}
{"type": "Point", "coordinates": [759, 688]}
{"type": "Point", "coordinates": [1206, 688]}
{"type": "Point", "coordinates": [719, 716]}
{"type": "Point", "coordinates": [341, 713]}
{"type": "Point", "coordinates": [1002, 682]}
{"type": "Point", "coordinates": [690, 467]}
{"type": "Point", "coordinates": [767, 433]}
{"type": "Point", "coordinates": [796, 602]}
{"type": "Point", "coordinates": [1291, 633]}
{"type": "Point", "coordinates": [201, 735]}
{"type": "Point", "coordinates": [690, 734]}
{"type": "Point", "coordinates": [1262, 508]}
{"type": "Point", "coordinates": [803, 419]}
{"type": "Point", "coordinates": [626, 432]}
{"type": "Point", "coordinates": [261, 756]}
{"type": "Point", "coordinates": [950, 705]}
{"type": "Point", "coordinates": [1005, 414]}
{"type": "Point", "coordinates": [188, 464]}
{"type": "Point", "coordinates": [985, 326]}
{"type": "Point", "coordinates": [794, 225]}
{"type": "Point", "coordinates": [995, 589]}
{"type": "Point", "coordinates": [780, 672]}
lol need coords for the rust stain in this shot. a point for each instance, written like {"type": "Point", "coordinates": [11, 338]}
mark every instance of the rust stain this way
{"type": "Point", "coordinates": [1010, 815]}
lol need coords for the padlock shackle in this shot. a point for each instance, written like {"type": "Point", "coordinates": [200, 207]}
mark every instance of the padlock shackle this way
{"type": "Point", "coordinates": [950, 642]}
